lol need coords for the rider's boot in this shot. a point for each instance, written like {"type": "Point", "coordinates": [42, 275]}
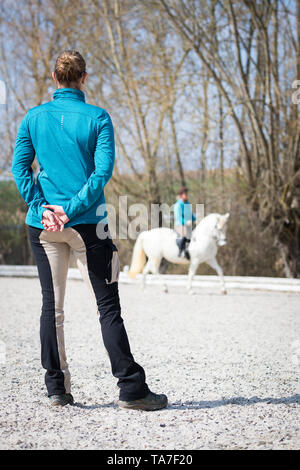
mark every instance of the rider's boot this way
{"type": "Point", "coordinates": [181, 244]}
{"type": "Point", "coordinates": [186, 249]}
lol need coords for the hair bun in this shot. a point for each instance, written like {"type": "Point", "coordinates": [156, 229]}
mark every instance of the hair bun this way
{"type": "Point", "coordinates": [69, 67]}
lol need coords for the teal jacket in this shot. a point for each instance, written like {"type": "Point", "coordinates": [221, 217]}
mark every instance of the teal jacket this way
{"type": "Point", "coordinates": [183, 212]}
{"type": "Point", "coordinates": [74, 145]}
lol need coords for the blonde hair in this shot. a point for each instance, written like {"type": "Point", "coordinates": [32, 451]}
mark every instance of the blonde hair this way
{"type": "Point", "coordinates": [69, 67]}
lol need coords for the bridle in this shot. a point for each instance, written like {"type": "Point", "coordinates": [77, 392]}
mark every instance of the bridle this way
{"type": "Point", "coordinates": [217, 234]}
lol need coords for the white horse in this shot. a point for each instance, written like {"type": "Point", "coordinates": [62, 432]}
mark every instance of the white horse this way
{"type": "Point", "coordinates": [160, 243]}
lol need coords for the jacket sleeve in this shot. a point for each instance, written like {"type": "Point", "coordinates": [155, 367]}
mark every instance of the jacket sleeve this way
{"type": "Point", "coordinates": [23, 157]}
{"type": "Point", "coordinates": [104, 163]}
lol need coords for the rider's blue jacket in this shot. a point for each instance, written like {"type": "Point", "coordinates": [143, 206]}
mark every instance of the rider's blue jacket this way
{"type": "Point", "coordinates": [183, 212]}
{"type": "Point", "coordinates": [74, 145]}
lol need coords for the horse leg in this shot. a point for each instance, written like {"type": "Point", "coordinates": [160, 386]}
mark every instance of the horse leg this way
{"type": "Point", "coordinates": [155, 270]}
{"type": "Point", "coordinates": [215, 265]}
{"type": "Point", "coordinates": [146, 270]}
{"type": "Point", "coordinates": [192, 269]}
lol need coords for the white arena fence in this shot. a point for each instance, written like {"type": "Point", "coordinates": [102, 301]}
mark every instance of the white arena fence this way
{"type": "Point", "coordinates": [232, 282]}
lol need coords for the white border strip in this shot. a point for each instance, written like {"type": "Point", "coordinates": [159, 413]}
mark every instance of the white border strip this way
{"type": "Point", "coordinates": [232, 282]}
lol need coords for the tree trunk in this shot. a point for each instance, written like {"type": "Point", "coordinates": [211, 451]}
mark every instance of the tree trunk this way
{"type": "Point", "coordinates": [290, 254]}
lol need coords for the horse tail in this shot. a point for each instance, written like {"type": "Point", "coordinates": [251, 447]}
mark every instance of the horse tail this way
{"type": "Point", "coordinates": [138, 258]}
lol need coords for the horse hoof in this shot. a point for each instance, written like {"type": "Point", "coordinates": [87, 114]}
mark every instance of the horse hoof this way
{"type": "Point", "coordinates": [224, 291]}
{"type": "Point", "coordinates": [165, 289]}
{"type": "Point", "coordinates": [191, 292]}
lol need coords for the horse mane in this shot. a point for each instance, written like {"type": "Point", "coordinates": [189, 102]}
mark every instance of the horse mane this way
{"type": "Point", "coordinates": [208, 223]}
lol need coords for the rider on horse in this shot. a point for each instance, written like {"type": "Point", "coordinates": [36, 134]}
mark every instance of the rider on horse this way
{"type": "Point", "coordinates": [183, 221]}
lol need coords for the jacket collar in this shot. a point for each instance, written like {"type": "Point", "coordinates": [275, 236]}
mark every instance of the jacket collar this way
{"type": "Point", "coordinates": [69, 93]}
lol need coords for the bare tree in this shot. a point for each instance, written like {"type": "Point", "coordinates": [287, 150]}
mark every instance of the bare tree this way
{"type": "Point", "coordinates": [137, 74]}
{"type": "Point", "coordinates": [247, 54]}
{"type": "Point", "coordinates": [32, 33]}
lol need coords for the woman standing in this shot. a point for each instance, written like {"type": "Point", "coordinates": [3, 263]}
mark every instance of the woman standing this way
{"type": "Point", "coordinates": [74, 144]}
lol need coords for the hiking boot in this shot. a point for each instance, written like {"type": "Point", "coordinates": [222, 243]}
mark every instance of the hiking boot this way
{"type": "Point", "coordinates": [150, 403]}
{"type": "Point", "coordinates": [61, 400]}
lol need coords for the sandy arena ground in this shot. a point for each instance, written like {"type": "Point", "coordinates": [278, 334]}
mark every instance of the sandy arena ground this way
{"type": "Point", "coordinates": [229, 365]}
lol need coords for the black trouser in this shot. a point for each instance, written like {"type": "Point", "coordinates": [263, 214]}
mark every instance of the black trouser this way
{"type": "Point", "coordinates": [99, 265]}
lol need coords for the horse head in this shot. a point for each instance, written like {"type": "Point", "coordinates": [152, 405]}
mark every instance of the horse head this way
{"type": "Point", "coordinates": [219, 232]}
